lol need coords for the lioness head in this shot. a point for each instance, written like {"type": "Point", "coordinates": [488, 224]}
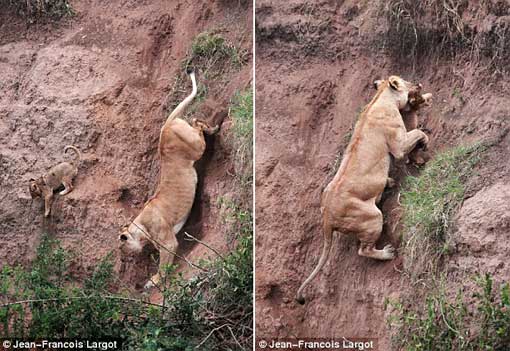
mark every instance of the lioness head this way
{"type": "Point", "coordinates": [405, 91]}
{"type": "Point", "coordinates": [34, 188]}
{"type": "Point", "coordinates": [132, 238]}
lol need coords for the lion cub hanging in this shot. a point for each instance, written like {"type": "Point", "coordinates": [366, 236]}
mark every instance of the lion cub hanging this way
{"type": "Point", "coordinates": [61, 174]}
{"type": "Point", "coordinates": [163, 216]}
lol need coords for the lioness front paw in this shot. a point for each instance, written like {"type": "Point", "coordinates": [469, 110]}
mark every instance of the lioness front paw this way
{"type": "Point", "coordinates": [389, 252]}
{"type": "Point", "coordinates": [424, 142]}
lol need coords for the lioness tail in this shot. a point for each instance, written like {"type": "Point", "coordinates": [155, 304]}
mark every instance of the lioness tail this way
{"type": "Point", "coordinates": [180, 108]}
{"type": "Point", "coordinates": [328, 235]}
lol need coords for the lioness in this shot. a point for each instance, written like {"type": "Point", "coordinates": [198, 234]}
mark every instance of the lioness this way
{"type": "Point", "coordinates": [180, 145]}
{"type": "Point", "coordinates": [348, 203]}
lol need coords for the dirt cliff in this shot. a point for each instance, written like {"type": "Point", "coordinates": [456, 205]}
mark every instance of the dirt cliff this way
{"type": "Point", "coordinates": [103, 80]}
{"type": "Point", "coordinates": [315, 68]}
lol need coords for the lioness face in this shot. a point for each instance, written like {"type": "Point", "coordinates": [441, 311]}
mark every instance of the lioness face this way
{"type": "Point", "coordinates": [402, 89]}
{"type": "Point", "coordinates": [131, 240]}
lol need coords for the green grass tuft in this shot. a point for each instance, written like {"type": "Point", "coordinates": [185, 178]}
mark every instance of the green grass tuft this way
{"type": "Point", "coordinates": [429, 202]}
{"type": "Point", "coordinates": [35, 9]}
{"type": "Point", "coordinates": [212, 56]}
{"type": "Point", "coordinates": [209, 47]}
{"type": "Point", "coordinates": [241, 137]}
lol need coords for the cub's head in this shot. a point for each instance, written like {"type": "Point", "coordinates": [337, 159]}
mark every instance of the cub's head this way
{"type": "Point", "coordinates": [408, 95]}
{"type": "Point", "coordinates": [132, 238]}
{"type": "Point", "coordinates": [34, 187]}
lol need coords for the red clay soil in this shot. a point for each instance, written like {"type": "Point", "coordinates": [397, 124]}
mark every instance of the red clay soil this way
{"type": "Point", "coordinates": [315, 67]}
{"type": "Point", "coordinates": [101, 81]}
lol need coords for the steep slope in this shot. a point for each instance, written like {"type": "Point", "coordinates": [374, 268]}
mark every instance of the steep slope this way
{"type": "Point", "coordinates": [104, 81]}
{"type": "Point", "coordinates": [318, 62]}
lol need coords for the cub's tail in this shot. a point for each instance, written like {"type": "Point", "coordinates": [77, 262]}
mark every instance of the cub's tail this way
{"type": "Point", "coordinates": [184, 103]}
{"type": "Point", "coordinates": [77, 158]}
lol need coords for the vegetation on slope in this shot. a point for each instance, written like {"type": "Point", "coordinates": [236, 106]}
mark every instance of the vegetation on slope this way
{"type": "Point", "coordinates": [445, 321]}
{"type": "Point", "coordinates": [36, 9]}
{"type": "Point", "coordinates": [211, 311]}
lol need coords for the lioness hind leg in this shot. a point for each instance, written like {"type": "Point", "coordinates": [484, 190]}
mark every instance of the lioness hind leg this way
{"type": "Point", "coordinates": [372, 231]}
{"type": "Point", "coordinates": [369, 250]}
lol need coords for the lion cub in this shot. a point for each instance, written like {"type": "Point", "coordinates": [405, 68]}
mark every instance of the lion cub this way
{"type": "Point", "coordinates": [61, 174]}
{"type": "Point", "coordinates": [419, 156]}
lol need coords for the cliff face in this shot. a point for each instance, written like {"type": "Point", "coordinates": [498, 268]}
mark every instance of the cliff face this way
{"type": "Point", "coordinates": [105, 82]}
{"type": "Point", "coordinates": [315, 68]}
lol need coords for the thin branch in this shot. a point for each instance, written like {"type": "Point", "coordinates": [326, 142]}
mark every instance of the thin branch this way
{"type": "Point", "coordinates": [159, 245]}
{"type": "Point", "coordinates": [109, 297]}
{"type": "Point", "coordinates": [206, 245]}
{"type": "Point", "coordinates": [209, 335]}
{"type": "Point", "coordinates": [232, 333]}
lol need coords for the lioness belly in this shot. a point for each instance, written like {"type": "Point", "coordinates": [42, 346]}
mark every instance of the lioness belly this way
{"type": "Point", "coordinates": [176, 196]}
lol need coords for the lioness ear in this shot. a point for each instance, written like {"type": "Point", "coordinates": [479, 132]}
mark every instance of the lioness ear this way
{"type": "Point", "coordinates": [32, 180]}
{"type": "Point", "coordinates": [394, 82]}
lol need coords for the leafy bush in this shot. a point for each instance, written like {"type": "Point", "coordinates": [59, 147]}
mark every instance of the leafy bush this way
{"type": "Point", "coordinates": [34, 9]}
{"type": "Point", "coordinates": [53, 306]}
{"type": "Point", "coordinates": [213, 309]}
{"type": "Point", "coordinates": [451, 324]}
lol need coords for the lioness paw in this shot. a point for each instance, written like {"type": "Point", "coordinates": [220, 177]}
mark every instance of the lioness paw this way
{"type": "Point", "coordinates": [389, 252]}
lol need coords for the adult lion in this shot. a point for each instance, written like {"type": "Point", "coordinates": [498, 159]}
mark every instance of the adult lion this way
{"type": "Point", "coordinates": [180, 145]}
{"type": "Point", "coordinates": [348, 203]}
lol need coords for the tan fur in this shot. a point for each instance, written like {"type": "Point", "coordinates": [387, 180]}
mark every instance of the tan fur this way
{"type": "Point", "coordinates": [349, 201]}
{"type": "Point", "coordinates": [418, 155]}
{"type": "Point", "coordinates": [416, 101]}
{"type": "Point", "coordinates": [180, 145]}
{"type": "Point", "coordinates": [61, 174]}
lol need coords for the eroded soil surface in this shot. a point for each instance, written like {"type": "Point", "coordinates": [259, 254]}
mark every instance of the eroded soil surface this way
{"type": "Point", "coordinates": [101, 81]}
{"type": "Point", "coordinates": [315, 68]}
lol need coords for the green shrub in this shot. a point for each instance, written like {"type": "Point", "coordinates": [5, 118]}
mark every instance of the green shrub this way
{"type": "Point", "coordinates": [456, 323]}
{"type": "Point", "coordinates": [57, 307]}
{"type": "Point", "coordinates": [34, 9]}
{"type": "Point", "coordinates": [213, 309]}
